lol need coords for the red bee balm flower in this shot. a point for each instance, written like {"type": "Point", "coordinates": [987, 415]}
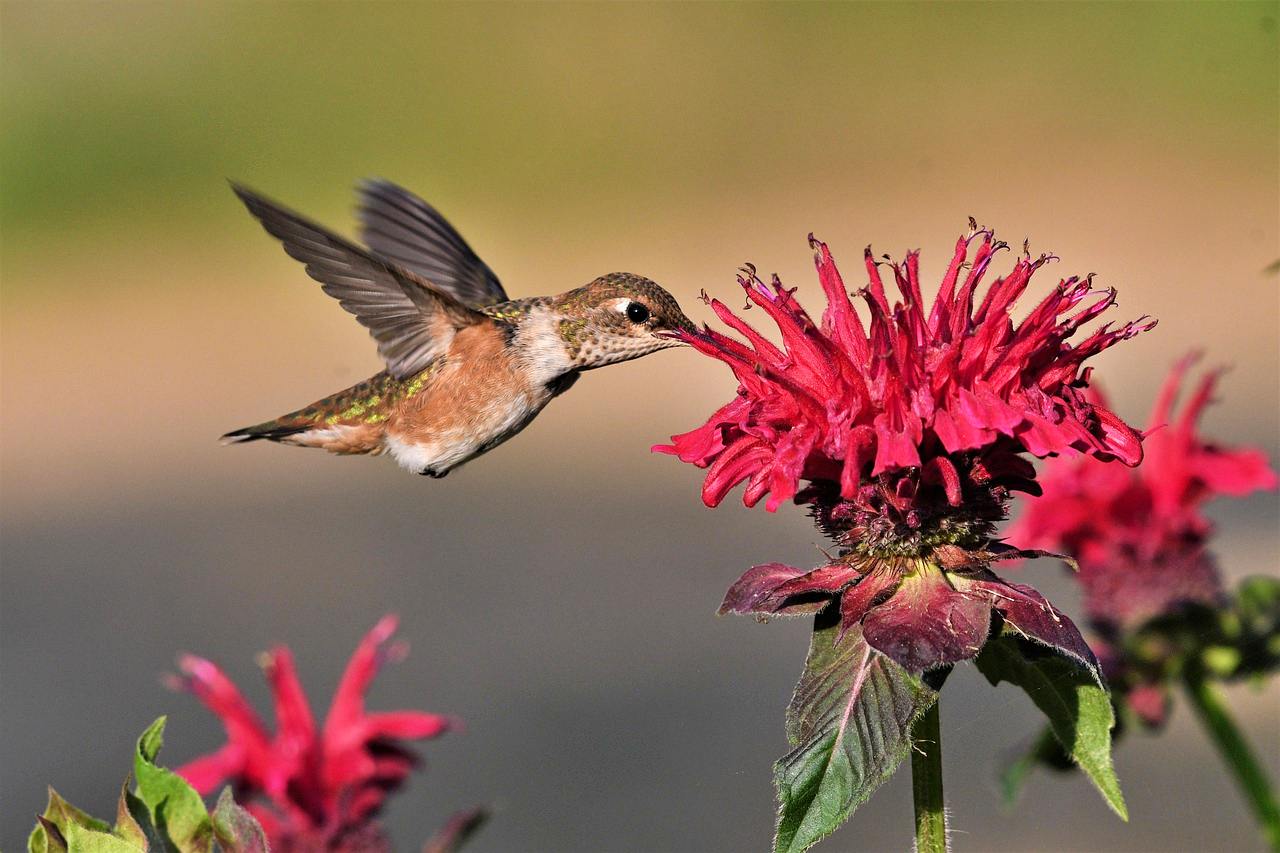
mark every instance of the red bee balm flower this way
{"type": "Point", "coordinates": [911, 433]}
{"type": "Point", "coordinates": [1152, 590]}
{"type": "Point", "coordinates": [1140, 536]}
{"type": "Point", "coordinates": [312, 789]}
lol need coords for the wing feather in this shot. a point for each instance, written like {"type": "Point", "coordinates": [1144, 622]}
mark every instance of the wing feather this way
{"type": "Point", "coordinates": [404, 229]}
{"type": "Point", "coordinates": [412, 322]}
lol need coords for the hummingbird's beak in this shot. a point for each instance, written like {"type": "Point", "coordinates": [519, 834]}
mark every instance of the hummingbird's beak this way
{"type": "Point", "coordinates": [677, 336]}
{"type": "Point", "coordinates": [685, 329]}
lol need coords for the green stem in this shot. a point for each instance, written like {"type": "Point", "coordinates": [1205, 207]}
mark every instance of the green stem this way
{"type": "Point", "coordinates": [1236, 754]}
{"type": "Point", "coordinates": [926, 783]}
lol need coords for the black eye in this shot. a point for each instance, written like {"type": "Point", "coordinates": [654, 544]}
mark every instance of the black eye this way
{"type": "Point", "coordinates": [637, 313]}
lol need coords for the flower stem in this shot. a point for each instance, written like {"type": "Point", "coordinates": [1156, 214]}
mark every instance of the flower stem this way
{"type": "Point", "coordinates": [1236, 754]}
{"type": "Point", "coordinates": [926, 783]}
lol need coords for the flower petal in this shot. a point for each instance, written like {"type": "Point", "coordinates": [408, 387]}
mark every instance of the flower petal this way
{"type": "Point", "coordinates": [216, 692]}
{"type": "Point", "coordinates": [874, 587]}
{"type": "Point", "coordinates": [405, 725]}
{"type": "Point", "coordinates": [1030, 614]}
{"type": "Point", "coordinates": [775, 588]}
{"type": "Point", "coordinates": [927, 623]}
{"type": "Point", "coordinates": [293, 713]}
{"type": "Point", "coordinates": [348, 698]}
{"type": "Point", "coordinates": [207, 772]}
{"type": "Point", "coordinates": [903, 392]}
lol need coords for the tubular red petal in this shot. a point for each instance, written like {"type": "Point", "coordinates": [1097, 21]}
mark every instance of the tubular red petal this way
{"type": "Point", "coordinates": [348, 698]}
{"type": "Point", "coordinates": [293, 713]}
{"type": "Point", "coordinates": [1118, 438]}
{"type": "Point", "coordinates": [217, 692]}
{"type": "Point", "coordinates": [875, 294]}
{"type": "Point", "coordinates": [742, 458]}
{"type": "Point", "coordinates": [208, 772]}
{"type": "Point", "coordinates": [1162, 413]}
{"type": "Point", "coordinates": [405, 725]}
{"type": "Point", "coordinates": [840, 317]}
{"type": "Point", "coordinates": [941, 471]}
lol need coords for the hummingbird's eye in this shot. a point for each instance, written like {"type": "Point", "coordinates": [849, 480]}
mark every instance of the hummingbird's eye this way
{"type": "Point", "coordinates": [637, 313]}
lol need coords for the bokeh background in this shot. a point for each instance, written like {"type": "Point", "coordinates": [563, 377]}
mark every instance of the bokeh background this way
{"type": "Point", "coordinates": [559, 592]}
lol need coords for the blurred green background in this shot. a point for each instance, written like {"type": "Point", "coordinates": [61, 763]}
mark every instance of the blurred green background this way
{"type": "Point", "coordinates": [559, 591]}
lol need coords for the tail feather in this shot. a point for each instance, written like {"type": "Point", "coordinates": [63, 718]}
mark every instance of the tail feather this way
{"type": "Point", "coordinates": [271, 431]}
{"type": "Point", "coordinates": [347, 422]}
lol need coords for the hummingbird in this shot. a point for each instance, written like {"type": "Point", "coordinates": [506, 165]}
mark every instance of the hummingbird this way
{"type": "Point", "coordinates": [466, 367]}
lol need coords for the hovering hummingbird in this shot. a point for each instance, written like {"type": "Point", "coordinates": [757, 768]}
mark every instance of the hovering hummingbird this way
{"type": "Point", "coordinates": [467, 368]}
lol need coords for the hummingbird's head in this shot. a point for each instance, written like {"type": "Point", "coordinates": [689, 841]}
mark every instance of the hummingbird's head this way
{"type": "Point", "coordinates": [618, 317]}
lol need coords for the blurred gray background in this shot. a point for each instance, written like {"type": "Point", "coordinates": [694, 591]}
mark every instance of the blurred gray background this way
{"type": "Point", "coordinates": [558, 594]}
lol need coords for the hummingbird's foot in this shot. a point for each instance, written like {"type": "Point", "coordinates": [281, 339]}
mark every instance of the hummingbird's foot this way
{"type": "Point", "coordinates": [435, 475]}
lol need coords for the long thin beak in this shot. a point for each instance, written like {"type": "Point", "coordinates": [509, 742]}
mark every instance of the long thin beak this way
{"type": "Point", "coordinates": [676, 336]}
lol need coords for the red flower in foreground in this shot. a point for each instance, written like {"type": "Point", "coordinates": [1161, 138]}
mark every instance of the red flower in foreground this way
{"type": "Point", "coordinates": [311, 788]}
{"type": "Point", "coordinates": [1140, 536]}
{"type": "Point", "coordinates": [940, 402]}
{"type": "Point", "coordinates": [1141, 539]}
{"type": "Point", "coordinates": [911, 432]}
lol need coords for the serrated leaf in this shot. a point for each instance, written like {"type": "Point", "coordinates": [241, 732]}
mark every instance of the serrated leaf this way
{"type": "Point", "coordinates": [175, 808]}
{"type": "Point", "coordinates": [237, 831]}
{"type": "Point", "coordinates": [850, 722]}
{"type": "Point", "coordinates": [1077, 706]}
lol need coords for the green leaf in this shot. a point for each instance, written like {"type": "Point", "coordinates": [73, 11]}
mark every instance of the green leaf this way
{"type": "Point", "coordinates": [83, 840]}
{"type": "Point", "coordinates": [64, 814]}
{"type": "Point", "coordinates": [46, 838]}
{"type": "Point", "coordinates": [236, 829]}
{"type": "Point", "coordinates": [174, 806]}
{"type": "Point", "coordinates": [1044, 752]}
{"type": "Point", "coordinates": [850, 722]}
{"type": "Point", "coordinates": [63, 827]}
{"type": "Point", "coordinates": [1077, 706]}
{"type": "Point", "coordinates": [60, 814]}
{"type": "Point", "coordinates": [127, 826]}
{"type": "Point", "coordinates": [141, 816]}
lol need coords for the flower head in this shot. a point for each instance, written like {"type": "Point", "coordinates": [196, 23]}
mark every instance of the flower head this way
{"type": "Point", "coordinates": [910, 432]}
{"type": "Point", "coordinates": [911, 403]}
{"type": "Point", "coordinates": [312, 787]}
{"type": "Point", "coordinates": [1141, 540]}
{"type": "Point", "coordinates": [1140, 535]}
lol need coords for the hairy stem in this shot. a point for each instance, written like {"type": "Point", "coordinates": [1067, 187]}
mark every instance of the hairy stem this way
{"type": "Point", "coordinates": [926, 783]}
{"type": "Point", "coordinates": [1236, 754]}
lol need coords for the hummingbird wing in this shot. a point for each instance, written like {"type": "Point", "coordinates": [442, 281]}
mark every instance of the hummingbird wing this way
{"type": "Point", "coordinates": [404, 229]}
{"type": "Point", "coordinates": [412, 321]}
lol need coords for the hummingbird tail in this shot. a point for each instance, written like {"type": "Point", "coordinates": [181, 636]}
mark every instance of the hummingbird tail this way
{"type": "Point", "coordinates": [350, 421]}
{"type": "Point", "coordinates": [343, 439]}
{"type": "Point", "coordinates": [271, 431]}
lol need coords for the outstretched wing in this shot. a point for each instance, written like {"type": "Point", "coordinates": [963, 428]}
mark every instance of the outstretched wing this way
{"type": "Point", "coordinates": [412, 322]}
{"type": "Point", "coordinates": [404, 229]}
